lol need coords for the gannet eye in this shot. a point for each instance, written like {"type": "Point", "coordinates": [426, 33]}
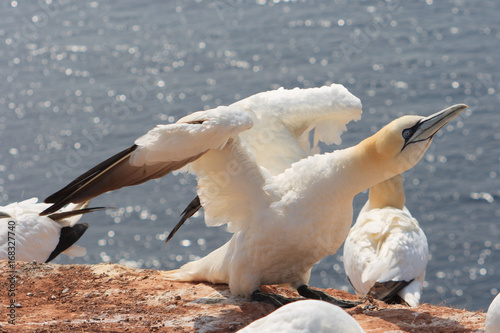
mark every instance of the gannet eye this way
{"type": "Point", "coordinates": [407, 133]}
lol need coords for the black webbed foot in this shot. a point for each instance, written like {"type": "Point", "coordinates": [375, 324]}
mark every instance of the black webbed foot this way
{"type": "Point", "coordinates": [308, 292]}
{"type": "Point", "coordinates": [275, 299]}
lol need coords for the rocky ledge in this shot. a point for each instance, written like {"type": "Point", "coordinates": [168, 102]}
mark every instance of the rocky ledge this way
{"type": "Point", "coordinates": [115, 298]}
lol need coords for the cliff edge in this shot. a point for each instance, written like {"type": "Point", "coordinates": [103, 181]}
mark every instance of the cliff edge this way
{"type": "Point", "coordinates": [115, 298]}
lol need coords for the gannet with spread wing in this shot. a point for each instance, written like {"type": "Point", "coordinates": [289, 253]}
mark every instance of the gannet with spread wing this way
{"type": "Point", "coordinates": [287, 210]}
{"type": "Point", "coordinates": [386, 251]}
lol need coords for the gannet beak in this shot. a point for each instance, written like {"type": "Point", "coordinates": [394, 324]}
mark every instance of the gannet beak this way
{"type": "Point", "coordinates": [427, 127]}
{"type": "Point", "coordinates": [4, 215]}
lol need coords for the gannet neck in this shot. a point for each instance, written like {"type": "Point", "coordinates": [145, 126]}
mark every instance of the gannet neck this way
{"type": "Point", "coordinates": [389, 193]}
{"type": "Point", "coordinates": [367, 166]}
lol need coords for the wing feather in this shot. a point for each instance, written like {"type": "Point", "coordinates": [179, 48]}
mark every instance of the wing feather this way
{"type": "Point", "coordinates": [162, 150]}
{"type": "Point", "coordinates": [230, 186]}
{"type": "Point", "coordinates": [284, 119]}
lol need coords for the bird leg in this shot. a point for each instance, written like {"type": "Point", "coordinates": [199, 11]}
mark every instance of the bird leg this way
{"type": "Point", "coordinates": [275, 299]}
{"type": "Point", "coordinates": [308, 292]}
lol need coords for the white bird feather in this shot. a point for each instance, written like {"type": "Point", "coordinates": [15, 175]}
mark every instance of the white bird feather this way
{"type": "Point", "coordinates": [387, 244]}
{"type": "Point", "coordinates": [492, 323]}
{"type": "Point", "coordinates": [28, 236]}
{"type": "Point", "coordinates": [307, 316]}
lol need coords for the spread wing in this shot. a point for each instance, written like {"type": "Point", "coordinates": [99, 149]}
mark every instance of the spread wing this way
{"type": "Point", "coordinates": [284, 119]}
{"type": "Point", "coordinates": [160, 151]}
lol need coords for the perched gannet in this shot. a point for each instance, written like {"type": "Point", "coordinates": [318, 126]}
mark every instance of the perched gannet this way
{"type": "Point", "coordinates": [306, 316]}
{"type": "Point", "coordinates": [386, 251]}
{"type": "Point", "coordinates": [493, 316]}
{"type": "Point", "coordinates": [28, 236]}
{"type": "Point", "coordinates": [286, 210]}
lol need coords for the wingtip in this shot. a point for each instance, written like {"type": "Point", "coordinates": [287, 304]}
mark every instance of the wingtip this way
{"type": "Point", "coordinates": [72, 193]}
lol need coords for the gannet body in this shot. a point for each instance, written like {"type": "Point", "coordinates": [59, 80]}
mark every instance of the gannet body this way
{"type": "Point", "coordinates": [28, 236]}
{"type": "Point", "coordinates": [306, 316]}
{"type": "Point", "coordinates": [492, 323]}
{"type": "Point", "coordinates": [386, 251]}
{"type": "Point", "coordinates": [287, 210]}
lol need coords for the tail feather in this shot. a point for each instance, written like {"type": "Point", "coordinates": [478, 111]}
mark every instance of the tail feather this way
{"type": "Point", "coordinates": [212, 268]}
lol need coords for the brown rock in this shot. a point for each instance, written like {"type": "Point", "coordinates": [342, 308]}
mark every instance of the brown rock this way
{"type": "Point", "coordinates": [115, 298]}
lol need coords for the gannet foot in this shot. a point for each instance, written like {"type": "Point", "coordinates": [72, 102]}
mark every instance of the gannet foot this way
{"type": "Point", "coordinates": [308, 292]}
{"type": "Point", "coordinates": [274, 299]}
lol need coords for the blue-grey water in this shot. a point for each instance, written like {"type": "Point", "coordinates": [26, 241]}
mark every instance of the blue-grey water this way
{"type": "Point", "coordinates": [80, 80]}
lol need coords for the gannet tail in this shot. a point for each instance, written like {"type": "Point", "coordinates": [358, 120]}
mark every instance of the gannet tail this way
{"type": "Point", "coordinates": [412, 292]}
{"type": "Point", "coordinates": [68, 237]}
{"type": "Point", "coordinates": [212, 268]}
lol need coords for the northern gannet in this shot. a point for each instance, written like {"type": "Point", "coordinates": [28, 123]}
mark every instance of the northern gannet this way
{"type": "Point", "coordinates": [386, 251]}
{"type": "Point", "coordinates": [305, 316]}
{"type": "Point", "coordinates": [492, 324]}
{"type": "Point", "coordinates": [28, 236]}
{"type": "Point", "coordinates": [287, 210]}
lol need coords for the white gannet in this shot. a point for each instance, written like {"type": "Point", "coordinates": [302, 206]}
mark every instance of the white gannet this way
{"type": "Point", "coordinates": [492, 323]}
{"type": "Point", "coordinates": [286, 210]}
{"type": "Point", "coordinates": [305, 316]}
{"type": "Point", "coordinates": [386, 251]}
{"type": "Point", "coordinates": [28, 236]}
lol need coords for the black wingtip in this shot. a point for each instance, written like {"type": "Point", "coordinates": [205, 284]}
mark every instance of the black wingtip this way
{"type": "Point", "coordinates": [191, 208]}
{"type": "Point", "coordinates": [66, 195]}
{"type": "Point", "coordinates": [68, 237]}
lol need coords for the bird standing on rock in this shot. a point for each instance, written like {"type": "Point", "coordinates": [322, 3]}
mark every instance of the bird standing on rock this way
{"type": "Point", "coordinates": [287, 210]}
{"type": "Point", "coordinates": [41, 238]}
{"type": "Point", "coordinates": [386, 251]}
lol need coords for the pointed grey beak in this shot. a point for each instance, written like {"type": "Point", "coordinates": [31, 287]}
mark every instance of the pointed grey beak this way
{"type": "Point", "coordinates": [426, 128]}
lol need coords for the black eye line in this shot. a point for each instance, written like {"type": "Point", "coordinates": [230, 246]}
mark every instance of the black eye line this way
{"type": "Point", "coordinates": [413, 130]}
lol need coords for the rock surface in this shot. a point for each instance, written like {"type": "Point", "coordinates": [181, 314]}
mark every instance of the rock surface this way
{"type": "Point", "coordinates": [115, 298]}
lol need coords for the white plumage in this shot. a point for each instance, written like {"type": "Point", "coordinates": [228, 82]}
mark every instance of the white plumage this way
{"type": "Point", "coordinates": [386, 251]}
{"type": "Point", "coordinates": [33, 237]}
{"type": "Point", "coordinates": [308, 316]}
{"type": "Point", "coordinates": [287, 210]}
{"type": "Point", "coordinates": [492, 323]}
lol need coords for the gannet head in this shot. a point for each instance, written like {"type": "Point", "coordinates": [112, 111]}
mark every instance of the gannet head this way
{"type": "Point", "coordinates": [401, 144]}
{"type": "Point", "coordinates": [389, 193]}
